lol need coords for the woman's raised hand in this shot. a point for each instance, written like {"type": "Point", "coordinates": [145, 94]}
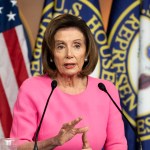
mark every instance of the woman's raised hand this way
{"type": "Point", "coordinates": [68, 131]}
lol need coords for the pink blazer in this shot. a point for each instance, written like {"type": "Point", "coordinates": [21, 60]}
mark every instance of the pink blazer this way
{"type": "Point", "coordinates": [106, 128]}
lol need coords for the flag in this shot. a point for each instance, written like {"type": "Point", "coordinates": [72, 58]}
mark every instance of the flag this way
{"type": "Point", "coordinates": [123, 39]}
{"type": "Point", "coordinates": [36, 61]}
{"type": "Point", "coordinates": [143, 117]}
{"type": "Point", "coordinates": [14, 62]}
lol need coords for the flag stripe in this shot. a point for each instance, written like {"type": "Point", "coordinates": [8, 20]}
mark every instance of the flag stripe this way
{"type": "Point", "coordinates": [15, 54]}
{"type": "Point", "coordinates": [7, 75]}
{"type": "Point", "coordinates": [1, 130]}
{"type": "Point", "coordinates": [23, 44]}
{"type": "Point", "coordinates": [5, 113]}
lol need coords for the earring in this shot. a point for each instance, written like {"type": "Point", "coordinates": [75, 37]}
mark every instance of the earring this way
{"type": "Point", "coordinates": [51, 60]}
{"type": "Point", "coordinates": [85, 59]}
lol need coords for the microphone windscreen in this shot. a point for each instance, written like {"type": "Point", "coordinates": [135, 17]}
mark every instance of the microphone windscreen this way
{"type": "Point", "coordinates": [102, 87]}
{"type": "Point", "coordinates": [54, 84]}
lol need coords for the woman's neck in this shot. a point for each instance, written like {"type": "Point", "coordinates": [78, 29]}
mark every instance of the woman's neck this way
{"type": "Point", "coordinates": [72, 85]}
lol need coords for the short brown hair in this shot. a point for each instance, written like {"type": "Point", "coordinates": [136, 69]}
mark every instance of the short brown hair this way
{"type": "Point", "coordinates": [65, 21]}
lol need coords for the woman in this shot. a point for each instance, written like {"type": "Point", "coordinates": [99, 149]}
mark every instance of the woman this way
{"type": "Point", "coordinates": [79, 115]}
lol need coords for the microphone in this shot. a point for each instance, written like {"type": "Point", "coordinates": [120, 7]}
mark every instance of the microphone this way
{"type": "Point", "coordinates": [103, 88]}
{"type": "Point", "coordinates": [53, 85]}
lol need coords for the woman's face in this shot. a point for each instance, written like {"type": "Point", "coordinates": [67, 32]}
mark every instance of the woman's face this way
{"type": "Point", "coordinates": [69, 51]}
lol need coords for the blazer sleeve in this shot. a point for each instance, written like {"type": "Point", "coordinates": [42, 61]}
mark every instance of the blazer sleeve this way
{"type": "Point", "coordinates": [115, 128]}
{"type": "Point", "coordinates": [24, 116]}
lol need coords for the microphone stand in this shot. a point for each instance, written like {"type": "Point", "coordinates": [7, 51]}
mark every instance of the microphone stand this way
{"type": "Point", "coordinates": [103, 88]}
{"type": "Point", "coordinates": [53, 85]}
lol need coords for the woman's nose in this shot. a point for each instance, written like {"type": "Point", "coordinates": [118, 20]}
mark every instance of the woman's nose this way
{"type": "Point", "coordinates": [69, 53]}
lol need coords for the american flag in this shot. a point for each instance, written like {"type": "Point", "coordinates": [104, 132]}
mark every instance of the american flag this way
{"type": "Point", "coordinates": [14, 61]}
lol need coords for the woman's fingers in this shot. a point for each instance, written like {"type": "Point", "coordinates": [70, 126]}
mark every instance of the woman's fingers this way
{"type": "Point", "coordinates": [72, 123]}
{"type": "Point", "coordinates": [81, 130]}
{"type": "Point", "coordinates": [86, 144]}
{"type": "Point", "coordinates": [74, 131]}
{"type": "Point", "coordinates": [68, 131]}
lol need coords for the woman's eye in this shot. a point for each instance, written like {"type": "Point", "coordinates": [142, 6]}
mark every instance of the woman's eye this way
{"type": "Point", "coordinates": [59, 46]}
{"type": "Point", "coordinates": [77, 46]}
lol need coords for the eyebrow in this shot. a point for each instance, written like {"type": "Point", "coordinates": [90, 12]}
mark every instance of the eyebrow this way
{"type": "Point", "coordinates": [58, 41]}
{"type": "Point", "coordinates": [63, 42]}
{"type": "Point", "coordinates": [78, 40]}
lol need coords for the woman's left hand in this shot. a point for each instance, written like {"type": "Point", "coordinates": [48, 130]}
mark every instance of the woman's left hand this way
{"type": "Point", "coordinates": [68, 131]}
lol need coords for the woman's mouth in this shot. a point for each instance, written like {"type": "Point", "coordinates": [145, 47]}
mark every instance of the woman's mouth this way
{"type": "Point", "coordinates": [69, 65]}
